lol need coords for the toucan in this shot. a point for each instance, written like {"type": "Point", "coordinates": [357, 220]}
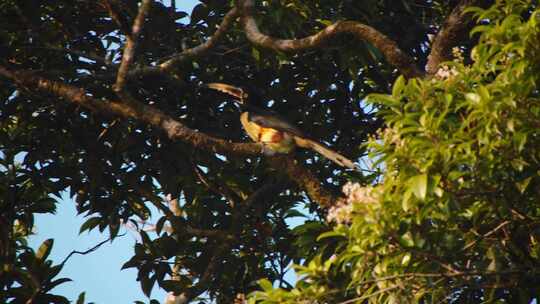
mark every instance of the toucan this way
{"type": "Point", "coordinates": [274, 132]}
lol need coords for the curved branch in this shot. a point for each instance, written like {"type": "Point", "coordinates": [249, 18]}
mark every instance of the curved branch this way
{"type": "Point", "coordinates": [393, 54]}
{"type": "Point", "coordinates": [454, 28]}
{"type": "Point", "coordinates": [89, 250]}
{"type": "Point", "coordinates": [191, 53]}
{"type": "Point", "coordinates": [131, 109]}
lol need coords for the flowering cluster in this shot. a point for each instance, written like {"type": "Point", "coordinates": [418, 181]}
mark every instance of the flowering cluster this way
{"type": "Point", "coordinates": [240, 299]}
{"type": "Point", "coordinates": [356, 193]}
{"type": "Point", "coordinates": [445, 72]}
{"type": "Point", "coordinates": [390, 135]}
{"type": "Point", "coordinates": [342, 212]}
{"type": "Point", "coordinates": [458, 54]}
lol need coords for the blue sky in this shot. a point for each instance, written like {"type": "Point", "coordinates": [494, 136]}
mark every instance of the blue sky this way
{"type": "Point", "coordinates": [97, 273]}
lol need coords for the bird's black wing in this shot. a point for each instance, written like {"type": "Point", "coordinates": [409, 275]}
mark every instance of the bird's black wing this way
{"type": "Point", "coordinates": [267, 119]}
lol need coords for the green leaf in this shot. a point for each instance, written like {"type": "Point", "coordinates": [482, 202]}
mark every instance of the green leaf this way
{"type": "Point", "coordinates": [146, 285]}
{"type": "Point", "coordinates": [52, 299]}
{"type": "Point", "coordinates": [55, 283]}
{"type": "Point", "coordinates": [407, 240]}
{"type": "Point", "coordinates": [176, 285]}
{"type": "Point", "coordinates": [473, 98]}
{"type": "Point", "coordinates": [44, 249]}
{"type": "Point", "coordinates": [54, 270]}
{"type": "Point", "coordinates": [406, 259]}
{"type": "Point", "coordinates": [46, 205]}
{"type": "Point", "coordinates": [293, 213]}
{"type": "Point", "coordinates": [132, 263]}
{"type": "Point", "coordinates": [383, 99]}
{"type": "Point", "coordinates": [406, 200]}
{"type": "Point", "coordinates": [325, 22]}
{"type": "Point", "coordinates": [90, 224]}
{"type": "Point", "coordinates": [330, 234]}
{"type": "Point", "coordinates": [80, 299]}
{"type": "Point", "coordinates": [199, 12]}
{"type": "Point", "coordinates": [399, 85]}
{"type": "Point", "coordinates": [522, 185]}
{"type": "Point", "coordinates": [418, 184]}
{"type": "Point", "coordinates": [113, 230]}
{"type": "Point", "coordinates": [160, 223]}
{"type": "Point", "coordinates": [265, 284]}
{"type": "Point", "coordinates": [256, 54]}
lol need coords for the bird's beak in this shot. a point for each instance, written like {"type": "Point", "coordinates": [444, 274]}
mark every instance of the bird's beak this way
{"type": "Point", "coordinates": [228, 89]}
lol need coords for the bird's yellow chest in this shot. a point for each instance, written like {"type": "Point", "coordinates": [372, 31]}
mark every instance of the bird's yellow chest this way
{"type": "Point", "coordinates": [276, 140]}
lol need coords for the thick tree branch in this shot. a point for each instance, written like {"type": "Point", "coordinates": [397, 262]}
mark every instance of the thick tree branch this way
{"type": "Point", "coordinates": [454, 28]}
{"type": "Point", "coordinates": [134, 110]}
{"type": "Point", "coordinates": [191, 53]}
{"type": "Point", "coordinates": [131, 45]}
{"type": "Point", "coordinates": [174, 129]}
{"type": "Point", "coordinates": [305, 179]}
{"type": "Point", "coordinates": [393, 54]}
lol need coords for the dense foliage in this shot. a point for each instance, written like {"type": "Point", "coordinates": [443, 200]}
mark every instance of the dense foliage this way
{"type": "Point", "coordinates": [456, 216]}
{"type": "Point", "coordinates": [114, 115]}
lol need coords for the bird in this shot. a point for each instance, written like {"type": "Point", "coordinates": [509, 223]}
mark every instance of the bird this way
{"type": "Point", "coordinates": [272, 131]}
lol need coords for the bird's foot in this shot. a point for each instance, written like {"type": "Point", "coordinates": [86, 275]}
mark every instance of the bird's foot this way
{"type": "Point", "coordinates": [266, 151]}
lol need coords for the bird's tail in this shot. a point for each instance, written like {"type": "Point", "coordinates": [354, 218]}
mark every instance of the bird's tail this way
{"type": "Point", "coordinates": [324, 151]}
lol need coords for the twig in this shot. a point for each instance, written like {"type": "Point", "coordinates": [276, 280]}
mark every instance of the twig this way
{"type": "Point", "coordinates": [217, 189]}
{"type": "Point", "coordinates": [96, 247]}
{"type": "Point", "coordinates": [486, 235]}
{"type": "Point", "coordinates": [393, 54]}
{"type": "Point", "coordinates": [191, 53]}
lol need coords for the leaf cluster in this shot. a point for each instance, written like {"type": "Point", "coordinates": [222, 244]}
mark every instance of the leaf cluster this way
{"type": "Point", "coordinates": [458, 218]}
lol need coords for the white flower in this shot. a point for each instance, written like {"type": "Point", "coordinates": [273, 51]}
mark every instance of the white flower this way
{"type": "Point", "coordinates": [342, 212]}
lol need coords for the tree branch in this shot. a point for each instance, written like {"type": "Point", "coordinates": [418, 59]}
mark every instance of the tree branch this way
{"type": "Point", "coordinates": [393, 54]}
{"type": "Point", "coordinates": [174, 129]}
{"type": "Point", "coordinates": [454, 28]}
{"type": "Point", "coordinates": [501, 225]}
{"type": "Point", "coordinates": [134, 110]}
{"type": "Point", "coordinates": [131, 45]}
{"type": "Point", "coordinates": [191, 53]}
{"type": "Point", "coordinates": [305, 179]}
